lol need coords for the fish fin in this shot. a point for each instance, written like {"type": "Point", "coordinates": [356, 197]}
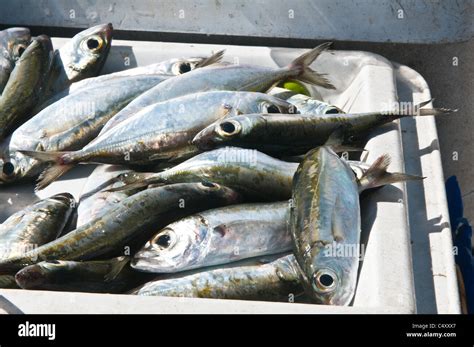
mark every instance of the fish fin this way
{"type": "Point", "coordinates": [51, 174]}
{"type": "Point", "coordinates": [306, 74]}
{"type": "Point", "coordinates": [45, 157]}
{"type": "Point", "coordinates": [437, 111]}
{"type": "Point", "coordinates": [215, 58]}
{"type": "Point", "coordinates": [117, 267]}
{"type": "Point", "coordinates": [128, 186]}
{"type": "Point", "coordinates": [377, 175]}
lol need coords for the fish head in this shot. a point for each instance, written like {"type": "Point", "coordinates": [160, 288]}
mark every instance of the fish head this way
{"type": "Point", "coordinates": [85, 54]}
{"type": "Point", "coordinates": [220, 195]}
{"type": "Point", "coordinates": [252, 102]}
{"type": "Point", "coordinates": [225, 132]}
{"type": "Point", "coordinates": [178, 246]}
{"type": "Point", "coordinates": [36, 275]}
{"type": "Point", "coordinates": [333, 282]}
{"type": "Point", "coordinates": [16, 40]}
{"type": "Point", "coordinates": [182, 65]}
{"type": "Point", "coordinates": [14, 167]}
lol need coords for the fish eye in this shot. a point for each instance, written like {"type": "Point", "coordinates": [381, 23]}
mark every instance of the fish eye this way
{"type": "Point", "coordinates": [54, 262]}
{"type": "Point", "coordinates": [94, 43]}
{"type": "Point", "coordinates": [332, 111]}
{"type": "Point", "coordinates": [164, 239]}
{"type": "Point", "coordinates": [228, 128]}
{"type": "Point", "coordinates": [208, 184]}
{"type": "Point", "coordinates": [184, 67]}
{"type": "Point", "coordinates": [324, 281]}
{"type": "Point", "coordinates": [272, 109]}
{"type": "Point", "coordinates": [8, 169]}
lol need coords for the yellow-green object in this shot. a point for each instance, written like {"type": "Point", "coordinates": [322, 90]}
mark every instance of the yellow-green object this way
{"type": "Point", "coordinates": [296, 87]}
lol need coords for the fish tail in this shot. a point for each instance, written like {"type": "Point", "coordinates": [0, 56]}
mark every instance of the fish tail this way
{"type": "Point", "coordinates": [215, 58]}
{"type": "Point", "coordinates": [377, 175]}
{"type": "Point", "coordinates": [419, 111]}
{"type": "Point", "coordinates": [61, 162]}
{"type": "Point", "coordinates": [304, 73]}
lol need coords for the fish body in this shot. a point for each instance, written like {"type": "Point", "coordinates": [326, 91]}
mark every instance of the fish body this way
{"type": "Point", "coordinates": [216, 237]}
{"type": "Point", "coordinates": [96, 276]}
{"type": "Point", "coordinates": [274, 280]}
{"type": "Point", "coordinates": [127, 224]}
{"type": "Point", "coordinates": [254, 174]}
{"type": "Point", "coordinates": [325, 226]}
{"type": "Point", "coordinates": [294, 134]}
{"type": "Point", "coordinates": [159, 133]}
{"type": "Point", "coordinates": [25, 85]}
{"type": "Point", "coordinates": [164, 70]}
{"type": "Point", "coordinates": [13, 42]}
{"type": "Point", "coordinates": [230, 77]}
{"type": "Point", "coordinates": [68, 124]}
{"type": "Point", "coordinates": [35, 225]}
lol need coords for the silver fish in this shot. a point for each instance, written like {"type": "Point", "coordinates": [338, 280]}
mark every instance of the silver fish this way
{"type": "Point", "coordinates": [275, 280]}
{"type": "Point", "coordinates": [216, 237]}
{"type": "Point", "coordinates": [165, 69]}
{"type": "Point", "coordinates": [96, 276]}
{"type": "Point", "coordinates": [127, 224]}
{"type": "Point", "coordinates": [35, 225]}
{"type": "Point", "coordinates": [254, 174]}
{"type": "Point", "coordinates": [81, 57]}
{"type": "Point", "coordinates": [230, 77]}
{"type": "Point", "coordinates": [324, 217]}
{"type": "Point", "coordinates": [68, 124]}
{"type": "Point", "coordinates": [25, 85]}
{"type": "Point", "coordinates": [159, 132]}
{"type": "Point", "coordinates": [13, 42]}
{"type": "Point", "coordinates": [297, 133]}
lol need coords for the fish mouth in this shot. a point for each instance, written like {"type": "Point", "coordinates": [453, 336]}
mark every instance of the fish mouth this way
{"type": "Point", "coordinates": [108, 29]}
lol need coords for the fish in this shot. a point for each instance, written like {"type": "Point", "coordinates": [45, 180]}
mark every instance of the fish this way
{"type": "Point", "coordinates": [257, 176]}
{"type": "Point", "coordinates": [127, 225]}
{"type": "Point", "coordinates": [325, 221]}
{"type": "Point", "coordinates": [13, 42]}
{"type": "Point", "coordinates": [165, 69]}
{"type": "Point", "coordinates": [294, 134]}
{"type": "Point", "coordinates": [35, 225]}
{"type": "Point", "coordinates": [95, 198]}
{"type": "Point", "coordinates": [215, 237]}
{"type": "Point", "coordinates": [325, 217]}
{"type": "Point", "coordinates": [8, 282]}
{"type": "Point", "coordinates": [263, 280]}
{"type": "Point", "coordinates": [159, 132]}
{"type": "Point", "coordinates": [305, 104]}
{"type": "Point", "coordinates": [230, 77]}
{"type": "Point", "coordinates": [68, 124]}
{"type": "Point", "coordinates": [97, 276]}
{"type": "Point", "coordinates": [25, 84]}
{"type": "Point", "coordinates": [81, 57]}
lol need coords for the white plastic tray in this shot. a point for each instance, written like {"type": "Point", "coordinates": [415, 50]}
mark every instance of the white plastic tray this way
{"type": "Point", "coordinates": [365, 82]}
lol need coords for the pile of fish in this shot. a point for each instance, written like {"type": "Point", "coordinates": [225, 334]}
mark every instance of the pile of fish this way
{"type": "Point", "coordinates": [212, 181]}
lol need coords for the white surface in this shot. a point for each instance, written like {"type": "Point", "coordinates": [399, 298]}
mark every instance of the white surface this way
{"type": "Point", "coordinates": [365, 82]}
